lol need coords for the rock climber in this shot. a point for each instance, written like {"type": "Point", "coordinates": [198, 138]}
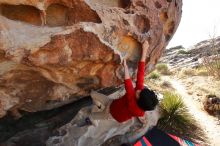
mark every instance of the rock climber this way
{"type": "Point", "coordinates": [135, 101]}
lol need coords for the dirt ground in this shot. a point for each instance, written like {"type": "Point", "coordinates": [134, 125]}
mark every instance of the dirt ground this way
{"type": "Point", "coordinates": [193, 90]}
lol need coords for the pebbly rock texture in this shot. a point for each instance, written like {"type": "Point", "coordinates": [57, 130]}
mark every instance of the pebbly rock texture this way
{"type": "Point", "coordinates": [53, 52]}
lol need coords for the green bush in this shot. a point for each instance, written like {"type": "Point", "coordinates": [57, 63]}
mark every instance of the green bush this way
{"type": "Point", "coordinates": [176, 119]}
{"type": "Point", "coordinates": [183, 52]}
{"type": "Point", "coordinates": [163, 68]}
{"type": "Point", "coordinates": [154, 75]}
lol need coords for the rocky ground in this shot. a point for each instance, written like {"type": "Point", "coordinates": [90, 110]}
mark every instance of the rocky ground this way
{"type": "Point", "coordinates": [193, 98]}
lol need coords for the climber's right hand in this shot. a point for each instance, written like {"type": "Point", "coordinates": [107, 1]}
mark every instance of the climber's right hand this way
{"type": "Point", "coordinates": [145, 51]}
{"type": "Point", "coordinates": [127, 76]}
{"type": "Point", "coordinates": [125, 63]}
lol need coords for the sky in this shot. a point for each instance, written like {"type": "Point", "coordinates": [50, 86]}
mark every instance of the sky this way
{"type": "Point", "coordinates": [200, 20]}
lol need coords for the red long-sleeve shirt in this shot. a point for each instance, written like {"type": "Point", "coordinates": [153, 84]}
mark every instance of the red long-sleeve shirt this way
{"type": "Point", "coordinates": [126, 107]}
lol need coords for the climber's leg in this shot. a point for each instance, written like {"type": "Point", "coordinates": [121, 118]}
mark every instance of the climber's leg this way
{"type": "Point", "coordinates": [103, 115]}
{"type": "Point", "coordinates": [100, 116]}
{"type": "Point", "coordinates": [117, 94]}
{"type": "Point", "coordinates": [93, 118]}
{"type": "Point", "coordinates": [100, 100]}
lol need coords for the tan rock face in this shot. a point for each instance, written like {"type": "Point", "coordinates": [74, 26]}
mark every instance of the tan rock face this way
{"type": "Point", "coordinates": [55, 51]}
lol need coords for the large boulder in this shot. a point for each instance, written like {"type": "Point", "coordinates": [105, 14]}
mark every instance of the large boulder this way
{"type": "Point", "coordinates": [53, 52]}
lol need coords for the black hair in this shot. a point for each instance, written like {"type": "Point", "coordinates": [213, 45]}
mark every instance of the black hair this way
{"type": "Point", "coordinates": [147, 100]}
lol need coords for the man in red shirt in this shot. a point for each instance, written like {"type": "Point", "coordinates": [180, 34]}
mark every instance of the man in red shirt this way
{"type": "Point", "coordinates": [135, 101]}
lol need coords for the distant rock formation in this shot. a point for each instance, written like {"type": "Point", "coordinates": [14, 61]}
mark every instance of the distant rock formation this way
{"type": "Point", "coordinates": [192, 57]}
{"type": "Point", "coordinates": [53, 52]}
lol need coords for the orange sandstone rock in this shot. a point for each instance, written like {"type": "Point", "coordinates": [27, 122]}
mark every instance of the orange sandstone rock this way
{"type": "Point", "coordinates": [53, 52]}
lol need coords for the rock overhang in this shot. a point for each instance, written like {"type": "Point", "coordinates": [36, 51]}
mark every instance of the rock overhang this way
{"type": "Point", "coordinates": [55, 51]}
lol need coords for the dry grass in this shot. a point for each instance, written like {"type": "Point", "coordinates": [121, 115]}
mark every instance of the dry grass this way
{"type": "Point", "coordinates": [213, 66]}
{"type": "Point", "coordinates": [187, 72]}
{"type": "Point", "coordinates": [158, 85]}
{"type": "Point", "coordinates": [166, 84]}
{"type": "Point", "coordinates": [200, 71]}
{"type": "Point", "coordinates": [212, 63]}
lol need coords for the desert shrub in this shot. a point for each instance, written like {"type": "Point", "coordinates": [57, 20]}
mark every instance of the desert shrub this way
{"type": "Point", "coordinates": [183, 52]}
{"type": "Point", "coordinates": [154, 75]}
{"type": "Point", "coordinates": [202, 71]}
{"type": "Point", "coordinates": [166, 84]}
{"type": "Point", "coordinates": [176, 119]}
{"type": "Point", "coordinates": [212, 61]}
{"type": "Point", "coordinates": [212, 65]}
{"type": "Point", "coordinates": [212, 104]}
{"type": "Point", "coordinates": [188, 71]}
{"type": "Point", "coordinates": [163, 68]}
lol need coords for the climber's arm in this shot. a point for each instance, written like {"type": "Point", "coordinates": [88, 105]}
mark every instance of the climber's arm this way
{"type": "Point", "coordinates": [128, 82]}
{"type": "Point", "coordinates": [141, 67]}
{"type": "Point", "coordinates": [127, 76]}
{"type": "Point", "coordinates": [130, 94]}
{"type": "Point", "coordinates": [145, 49]}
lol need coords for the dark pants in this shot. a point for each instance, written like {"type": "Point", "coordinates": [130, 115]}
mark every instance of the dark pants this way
{"type": "Point", "coordinates": [159, 138]}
